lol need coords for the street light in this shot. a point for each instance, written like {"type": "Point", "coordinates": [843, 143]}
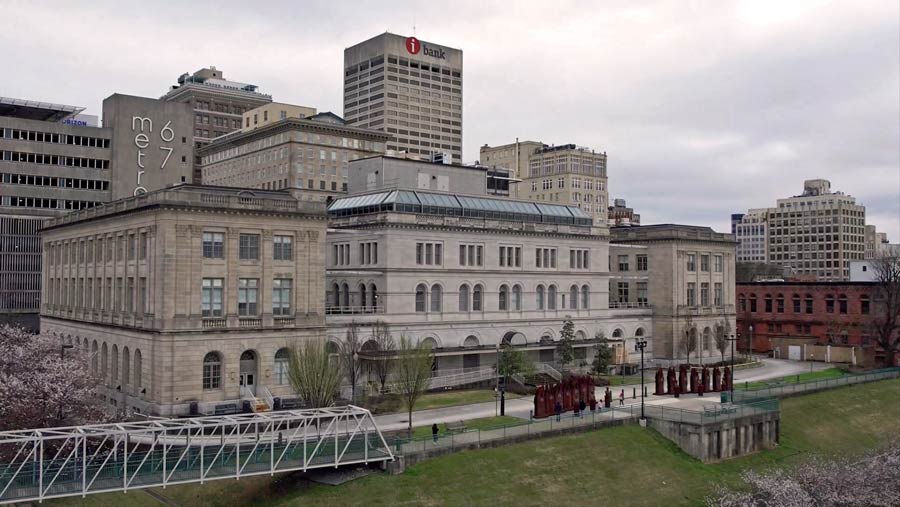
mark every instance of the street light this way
{"type": "Point", "coordinates": [640, 344]}
{"type": "Point", "coordinates": [733, 338]}
{"type": "Point", "coordinates": [750, 341]}
{"type": "Point", "coordinates": [62, 356]}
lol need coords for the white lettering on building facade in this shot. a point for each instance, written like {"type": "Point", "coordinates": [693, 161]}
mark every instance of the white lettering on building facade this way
{"type": "Point", "coordinates": [142, 140]}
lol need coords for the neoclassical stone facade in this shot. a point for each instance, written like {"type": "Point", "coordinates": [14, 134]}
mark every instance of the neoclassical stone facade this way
{"type": "Point", "coordinates": [187, 294]}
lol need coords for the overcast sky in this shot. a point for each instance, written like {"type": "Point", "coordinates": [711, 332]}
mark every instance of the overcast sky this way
{"type": "Point", "coordinates": [704, 108]}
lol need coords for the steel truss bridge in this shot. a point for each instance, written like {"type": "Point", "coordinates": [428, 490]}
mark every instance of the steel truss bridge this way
{"type": "Point", "coordinates": [81, 460]}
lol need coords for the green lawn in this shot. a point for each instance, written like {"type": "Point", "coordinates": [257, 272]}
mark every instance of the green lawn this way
{"type": "Point", "coordinates": [454, 398]}
{"type": "Point", "coordinates": [793, 379]}
{"type": "Point", "coordinates": [596, 468]}
{"type": "Point", "coordinates": [484, 423]}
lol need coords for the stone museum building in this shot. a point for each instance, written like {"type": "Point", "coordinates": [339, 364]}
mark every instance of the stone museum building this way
{"type": "Point", "coordinates": [187, 294]}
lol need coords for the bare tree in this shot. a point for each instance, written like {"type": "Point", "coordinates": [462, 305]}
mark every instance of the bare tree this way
{"type": "Point", "coordinates": [413, 372]}
{"type": "Point", "coordinates": [722, 332]}
{"type": "Point", "coordinates": [884, 314]}
{"type": "Point", "coordinates": [350, 358]}
{"type": "Point", "coordinates": [689, 341]}
{"type": "Point", "coordinates": [385, 349]}
{"type": "Point", "coordinates": [313, 374]}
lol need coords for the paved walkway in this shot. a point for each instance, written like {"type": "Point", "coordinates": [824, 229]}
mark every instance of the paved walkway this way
{"type": "Point", "coordinates": [521, 407]}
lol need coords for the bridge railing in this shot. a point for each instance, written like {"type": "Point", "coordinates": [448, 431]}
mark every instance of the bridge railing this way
{"type": "Point", "coordinates": [76, 461]}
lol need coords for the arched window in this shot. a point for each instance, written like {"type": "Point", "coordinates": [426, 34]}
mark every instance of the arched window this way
{"type": "Point", "coordinates": [618, 333]}
{"type": "Point", "coordinates": [768, 303]}
{"type": "Point", "coordinates": [864, 305]}
{"type": "Point", "coordinates": [503, 298]}
{"type": "Point", "coordinates": [585, 297]}
{"type": "Point", "coordinates": [281, 366]}
{"type": "Point", "coordinates": [779, 303]}
{"type": "Point", "coordinates": [639, 332]}
{"type": "Point", "coordinates": [436, 298]}
{"type": "Point", "coordinates": [138, 369]}
{"type": "Point", "coordinates": [551, 297]}
{"type": "Point", "coordinates": [829, 303]}
{"type": "Point", "coordinates": [808, 299]}
{"type": "Point", "coordinates": [373, 294]}
{"type": "Point", "coordinates": [478, 298]}
{"type": "Point", "coordinates": [795, 299]}
{"type": "Point", "coordinates": [842, 304]}
{"type": "Point", "coordinates": [707, 339]}
{"type": "Point", "coordinates": [126, 367]}
{"type": "Point", "coordinates": [336, 294]}
{"type": "Point", "coordinates": [464, 297]}
{"type": "Point", "coordinates": [212, 371]}
{"type": "Point", "coordinates": [573, 297]}
{"type": "Point", "coordinates": [362, 295]}
{"type": "Point", "coordinates": [539, 295]}
{"type": "Point", "coordinates": [752, 303]}
{"type": "Point", "coordinates": [94, 359]}
{"type": "Point", "coordinates": [420, 297]}
{"type": "Point", "coordinates": [471, 341]}
{"type": "Point", "coordinates": [104, 360]}
{"type": "Point", "coordinates": [742, 303]}
{"type": "Point", "coordinates": [114, 364]}
{"type": "Point", "coordinates": [517, 297]}
{"type": "Point", "coordinates": [345, 295]}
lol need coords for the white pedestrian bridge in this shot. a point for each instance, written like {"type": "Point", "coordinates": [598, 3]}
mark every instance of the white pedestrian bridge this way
{"type": "Point", "coordinates": [76, 461]}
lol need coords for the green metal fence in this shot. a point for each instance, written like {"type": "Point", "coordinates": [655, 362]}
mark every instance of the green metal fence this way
{"type": "Point", "coordinates": [769, 391]}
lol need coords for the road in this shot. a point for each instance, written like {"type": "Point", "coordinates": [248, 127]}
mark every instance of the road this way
{"type": "Point", "coordinates": [521, 407]}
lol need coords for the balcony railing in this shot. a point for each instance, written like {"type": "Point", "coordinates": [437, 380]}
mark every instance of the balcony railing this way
{"type": "Point", "coordinates": [353, 310]}
{"type": "Point", "coordinates": [629, 304]}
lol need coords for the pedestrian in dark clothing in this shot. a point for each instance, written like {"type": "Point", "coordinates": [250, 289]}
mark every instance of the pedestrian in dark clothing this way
{"type": "Point", "coordinates": [574, 409]}
{"type": "Point", "coordinates": [622, 398]}
{"type": "Point", "coordinates": [434, 432]}
{"type": "Point", "coordinates": [558, 408]}
{"type": "Point", "coordinates": [582, 406]}
{"type": "Point", "coordinates": [593, 405]}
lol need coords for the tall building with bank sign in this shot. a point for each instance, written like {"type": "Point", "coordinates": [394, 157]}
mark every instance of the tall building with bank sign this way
{"type": "Point", "coordinates": [410, 88]}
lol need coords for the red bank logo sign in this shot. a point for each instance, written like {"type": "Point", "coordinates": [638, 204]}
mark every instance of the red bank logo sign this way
{"type": "Point", "coordinates": [414, 46]}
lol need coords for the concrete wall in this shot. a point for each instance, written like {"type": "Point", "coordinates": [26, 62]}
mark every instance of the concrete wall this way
{"type": "Point", "coordinates": [723, 440]}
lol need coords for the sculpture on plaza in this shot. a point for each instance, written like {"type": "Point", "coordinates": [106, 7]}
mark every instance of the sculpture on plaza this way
{"type": "Point", "coordinates": [660, 382]}
{"type": "Point", "coordinates": [569, 393]}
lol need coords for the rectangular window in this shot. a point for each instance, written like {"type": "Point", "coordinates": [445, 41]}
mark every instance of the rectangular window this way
{"type": "Point", "coordinates": [249, 247]}
{"type": "Point", "coordinates": [429, 254]}
{"type": "Point", "coordinates": [642, 293]}
{"type": "Point", "coordinates": [622, 292]}
{"type": "Point", "coordinates": [282, 296]}
{"type": "Point", "coordinates": [691, 294]}
{"type": "Point", "coordinates": [623, 263]}
{"type": "Point", "coordinates": [704, 263]}
{"type": "Point", "coordinates": [641, 261]}
{"type": "Point", "coordinates": [211, 297]}
{"type": "Point", "coordinates": [704, 294]}
{"type": "Point", "coordinates": [283, 248]}
{"type": "Point", "coordinates": [472, 255]}
{"type": "Point", "coordinates": [129, 295]}
{"type": "Point", "coordinates": [691, 262]}
{"type": "Point", "coordinates": [142, 247]}
{"type": "Point", "coordinates": [717, 294]}
{"type": "Point", "coordinates": [719, 266]}
{"type": "Point", "coordinates": [214, 245]}
{"type": "Point", "coordinates": [248, 296]}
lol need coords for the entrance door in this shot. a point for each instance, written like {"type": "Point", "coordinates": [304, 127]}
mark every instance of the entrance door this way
{"type": "Point", "coordinates": [794, 352]}
{"type": "Point", "coordinates": [248, 373]}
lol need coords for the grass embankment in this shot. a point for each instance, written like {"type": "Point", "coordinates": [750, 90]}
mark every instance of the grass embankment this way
{"type": "Point", "coordinates": [615, 466]}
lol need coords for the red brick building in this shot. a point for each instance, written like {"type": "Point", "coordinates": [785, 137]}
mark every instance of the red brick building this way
{"type": "Point", "coordinates": [834, 313]}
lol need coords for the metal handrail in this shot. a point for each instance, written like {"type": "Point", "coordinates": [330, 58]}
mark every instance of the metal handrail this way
{"type": "Point", "coordinates": [353, 310]}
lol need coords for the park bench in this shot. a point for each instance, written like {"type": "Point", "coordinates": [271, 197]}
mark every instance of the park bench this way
{"type": "Point", "coordinates": [455, 427]}
{"type": "Point", "coordinates": [226, 409]}
{"type": "Point", "coordinates": [291, 403]}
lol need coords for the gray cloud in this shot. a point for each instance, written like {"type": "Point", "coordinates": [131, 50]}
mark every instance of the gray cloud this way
{"type": "Point", "coordinates": [705, 108]}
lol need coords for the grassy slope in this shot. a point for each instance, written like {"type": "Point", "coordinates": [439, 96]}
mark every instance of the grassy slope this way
{"type": "Point", "coordinates": [482, 423]}
{"type": "Point", "coordinates": [454, 398]}
{"type": "Point", "coordinates": [596, 468]}
{"type": "Point", "coordinates": [793, 379]}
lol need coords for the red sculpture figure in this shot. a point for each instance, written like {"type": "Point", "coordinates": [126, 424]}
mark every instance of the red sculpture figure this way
{"type": "Point", "coordinates": [683, 378]}
{"type": "Point", "coordinates": [671, 382]}
{"type": "Point", "coordinates": [717, 379]}
{"type": "Point", "coordinates": [704, 378]}
{"type": "Point", "coordinates": [727, 379]}
{"type": "Point", "coordinates": [660, 383]}
{"type": "Point", "coordinates": [702, 387]}
{"type": "Point", "coordinates": [607, 398]}
{"type": "Point", "coordinates": [694, 382]}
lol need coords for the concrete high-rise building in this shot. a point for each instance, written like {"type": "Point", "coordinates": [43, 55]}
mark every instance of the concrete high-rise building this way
{"type": "Point", "coordinates": [218, 105]}
{"type": "Point", "coordinates": [817, 234]}
{"type": "Point", "coordinates": [514, 156]}
{"type": "Point", "coordinates": [409, 88]}
{"type": "Point", "coordinates": [751, 233]}
{"type": "Point", "coordinates": [49, 165]}
{"type": "Point", "coordinates": [876, 243]}
{"type": "Point", "coordinates": [294, 152]}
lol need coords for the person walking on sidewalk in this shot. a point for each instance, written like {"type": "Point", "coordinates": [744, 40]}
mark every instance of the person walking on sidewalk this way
{"type": "Point", "coordinates": [434, 432]}
{"type": "Point", "coordinates": [582, 406]}
{"type": "Point", "coordinates": [558, 408]}
{"type": "Point", "coordinates": [622, 398]}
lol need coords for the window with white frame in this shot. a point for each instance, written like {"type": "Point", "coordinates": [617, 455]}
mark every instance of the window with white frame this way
{"type": "Point", "coordinates": [212, 371]}
{"type": "Point", "coordinates": [429, 254]}
{"type": "Point", "coordinates": [283, 248]}
{"type": "Point", "coordinates": [248, 247]}
{"type": "Point", "coordinates": [282, 291]}
{"type": "Point", "coordinates": [211, 297]}
{"type": "Point", "coordinates": [471, 255]}
{"type": "Point", "coordinates": [213, 245]}
{"type": "Point", "coordinates": [282, 361]}
{"type": "Point", "coordinates": [510, 256]}
{"type": "Point", "coordinates": [248, 296]}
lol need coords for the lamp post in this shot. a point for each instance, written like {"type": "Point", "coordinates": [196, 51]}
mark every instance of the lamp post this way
{"type": "Point", "coordinates": [640, 344]}
{"type": "Point", "coordinates": [750, 341]}
{"type": "Point", "coordinates": [497, 390]}
{"type": "Point", "coordinates": [62, 356]}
